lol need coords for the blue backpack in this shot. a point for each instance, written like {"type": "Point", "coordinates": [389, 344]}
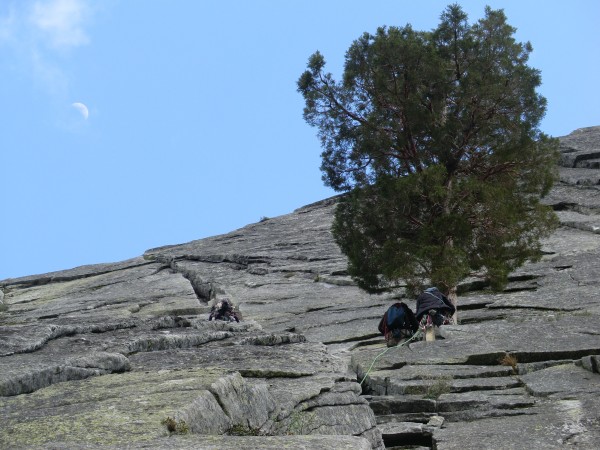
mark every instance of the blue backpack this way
{"type": "Point", "coordinates": [398, 322]}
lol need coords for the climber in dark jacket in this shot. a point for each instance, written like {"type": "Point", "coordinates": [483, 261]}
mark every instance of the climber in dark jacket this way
{"type": "Point", "coordinates": [223, 310]}
{"type": "Point", "coordinates": [437, 305]}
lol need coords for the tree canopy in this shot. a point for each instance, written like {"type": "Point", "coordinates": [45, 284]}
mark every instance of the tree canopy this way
{"type": "Point", "coordinates": [434, 136]}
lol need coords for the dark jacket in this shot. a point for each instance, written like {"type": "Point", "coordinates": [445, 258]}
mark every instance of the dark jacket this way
{"type": "Point", "coordinates": [432, 298]}
{"type": "Point", "coordinates": [224, 310]}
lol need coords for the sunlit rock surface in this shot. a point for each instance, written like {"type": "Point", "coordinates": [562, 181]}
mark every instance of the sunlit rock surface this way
{"type": "Point", "coordinates": [115, 355]}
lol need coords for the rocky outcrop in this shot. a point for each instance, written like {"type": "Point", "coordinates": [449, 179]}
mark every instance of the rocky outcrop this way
{"type": "Point", "coordinates": [581, 149]}
{"type": "Point", "coordinates": [520, 371]}
{"type": "Point", "coordinates": [122, 354]}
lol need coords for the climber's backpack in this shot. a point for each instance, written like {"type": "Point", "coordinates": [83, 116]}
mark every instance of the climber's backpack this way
{"type": "Point", "coordinates": [398, 322]}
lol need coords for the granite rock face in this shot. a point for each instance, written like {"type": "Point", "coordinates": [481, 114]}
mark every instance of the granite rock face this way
{"type": "Point", "coordinates": [115, 355]}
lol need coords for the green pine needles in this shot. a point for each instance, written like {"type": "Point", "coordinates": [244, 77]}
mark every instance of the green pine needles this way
{"type": "Point", "coordinates": [434, 137]}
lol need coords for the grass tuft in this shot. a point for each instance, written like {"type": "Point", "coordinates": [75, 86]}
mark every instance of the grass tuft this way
{"type": "Point", "coordinates": [176, 427]}
{"type": "Point", "coordinates": [509, 360]}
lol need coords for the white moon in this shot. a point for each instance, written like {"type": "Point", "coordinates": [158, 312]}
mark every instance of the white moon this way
{"type": "Point", "coordinates": [81, 108]}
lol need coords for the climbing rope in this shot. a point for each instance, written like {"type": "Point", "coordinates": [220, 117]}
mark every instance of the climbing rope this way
{"type": "Point", "coordinates": [414, 336]}
{"type": "Point", "coordinates": [426, 321]}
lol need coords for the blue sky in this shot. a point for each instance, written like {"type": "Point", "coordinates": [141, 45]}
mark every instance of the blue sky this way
{"type": "Point", "coordinates": [194, 127]}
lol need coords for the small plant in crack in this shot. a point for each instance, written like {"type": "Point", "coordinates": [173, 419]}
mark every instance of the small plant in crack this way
{"type": "Point", "coordinates": [439, 387]}
{"type": "Point", "coordinates": [176, 427]}
{"type": "Point", "coordinates": [509, 360]}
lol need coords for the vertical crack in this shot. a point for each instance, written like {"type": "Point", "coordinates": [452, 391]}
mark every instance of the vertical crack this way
{"type": "Point", "coordinates": [204, 290]}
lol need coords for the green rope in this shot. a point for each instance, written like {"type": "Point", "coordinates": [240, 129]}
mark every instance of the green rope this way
{"type": "Point", "coordinates": [414, 336]}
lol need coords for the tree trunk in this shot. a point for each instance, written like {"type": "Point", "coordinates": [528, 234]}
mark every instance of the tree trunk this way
{"type": "Point", "coordinates": [452, 291]}
{"type": "Point", "coordinates": [453, 297]}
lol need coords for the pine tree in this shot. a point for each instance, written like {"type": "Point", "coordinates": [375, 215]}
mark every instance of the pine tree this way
{"type": "Point", "coordinates": [434, 137]}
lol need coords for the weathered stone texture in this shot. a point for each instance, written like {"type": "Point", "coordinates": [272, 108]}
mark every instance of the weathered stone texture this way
{"type": "Point", "coordinates": [122, 355]}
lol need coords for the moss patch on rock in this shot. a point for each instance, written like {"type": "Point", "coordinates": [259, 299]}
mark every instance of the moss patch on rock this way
{"type": "Point", "coordinates": [116, 409]}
